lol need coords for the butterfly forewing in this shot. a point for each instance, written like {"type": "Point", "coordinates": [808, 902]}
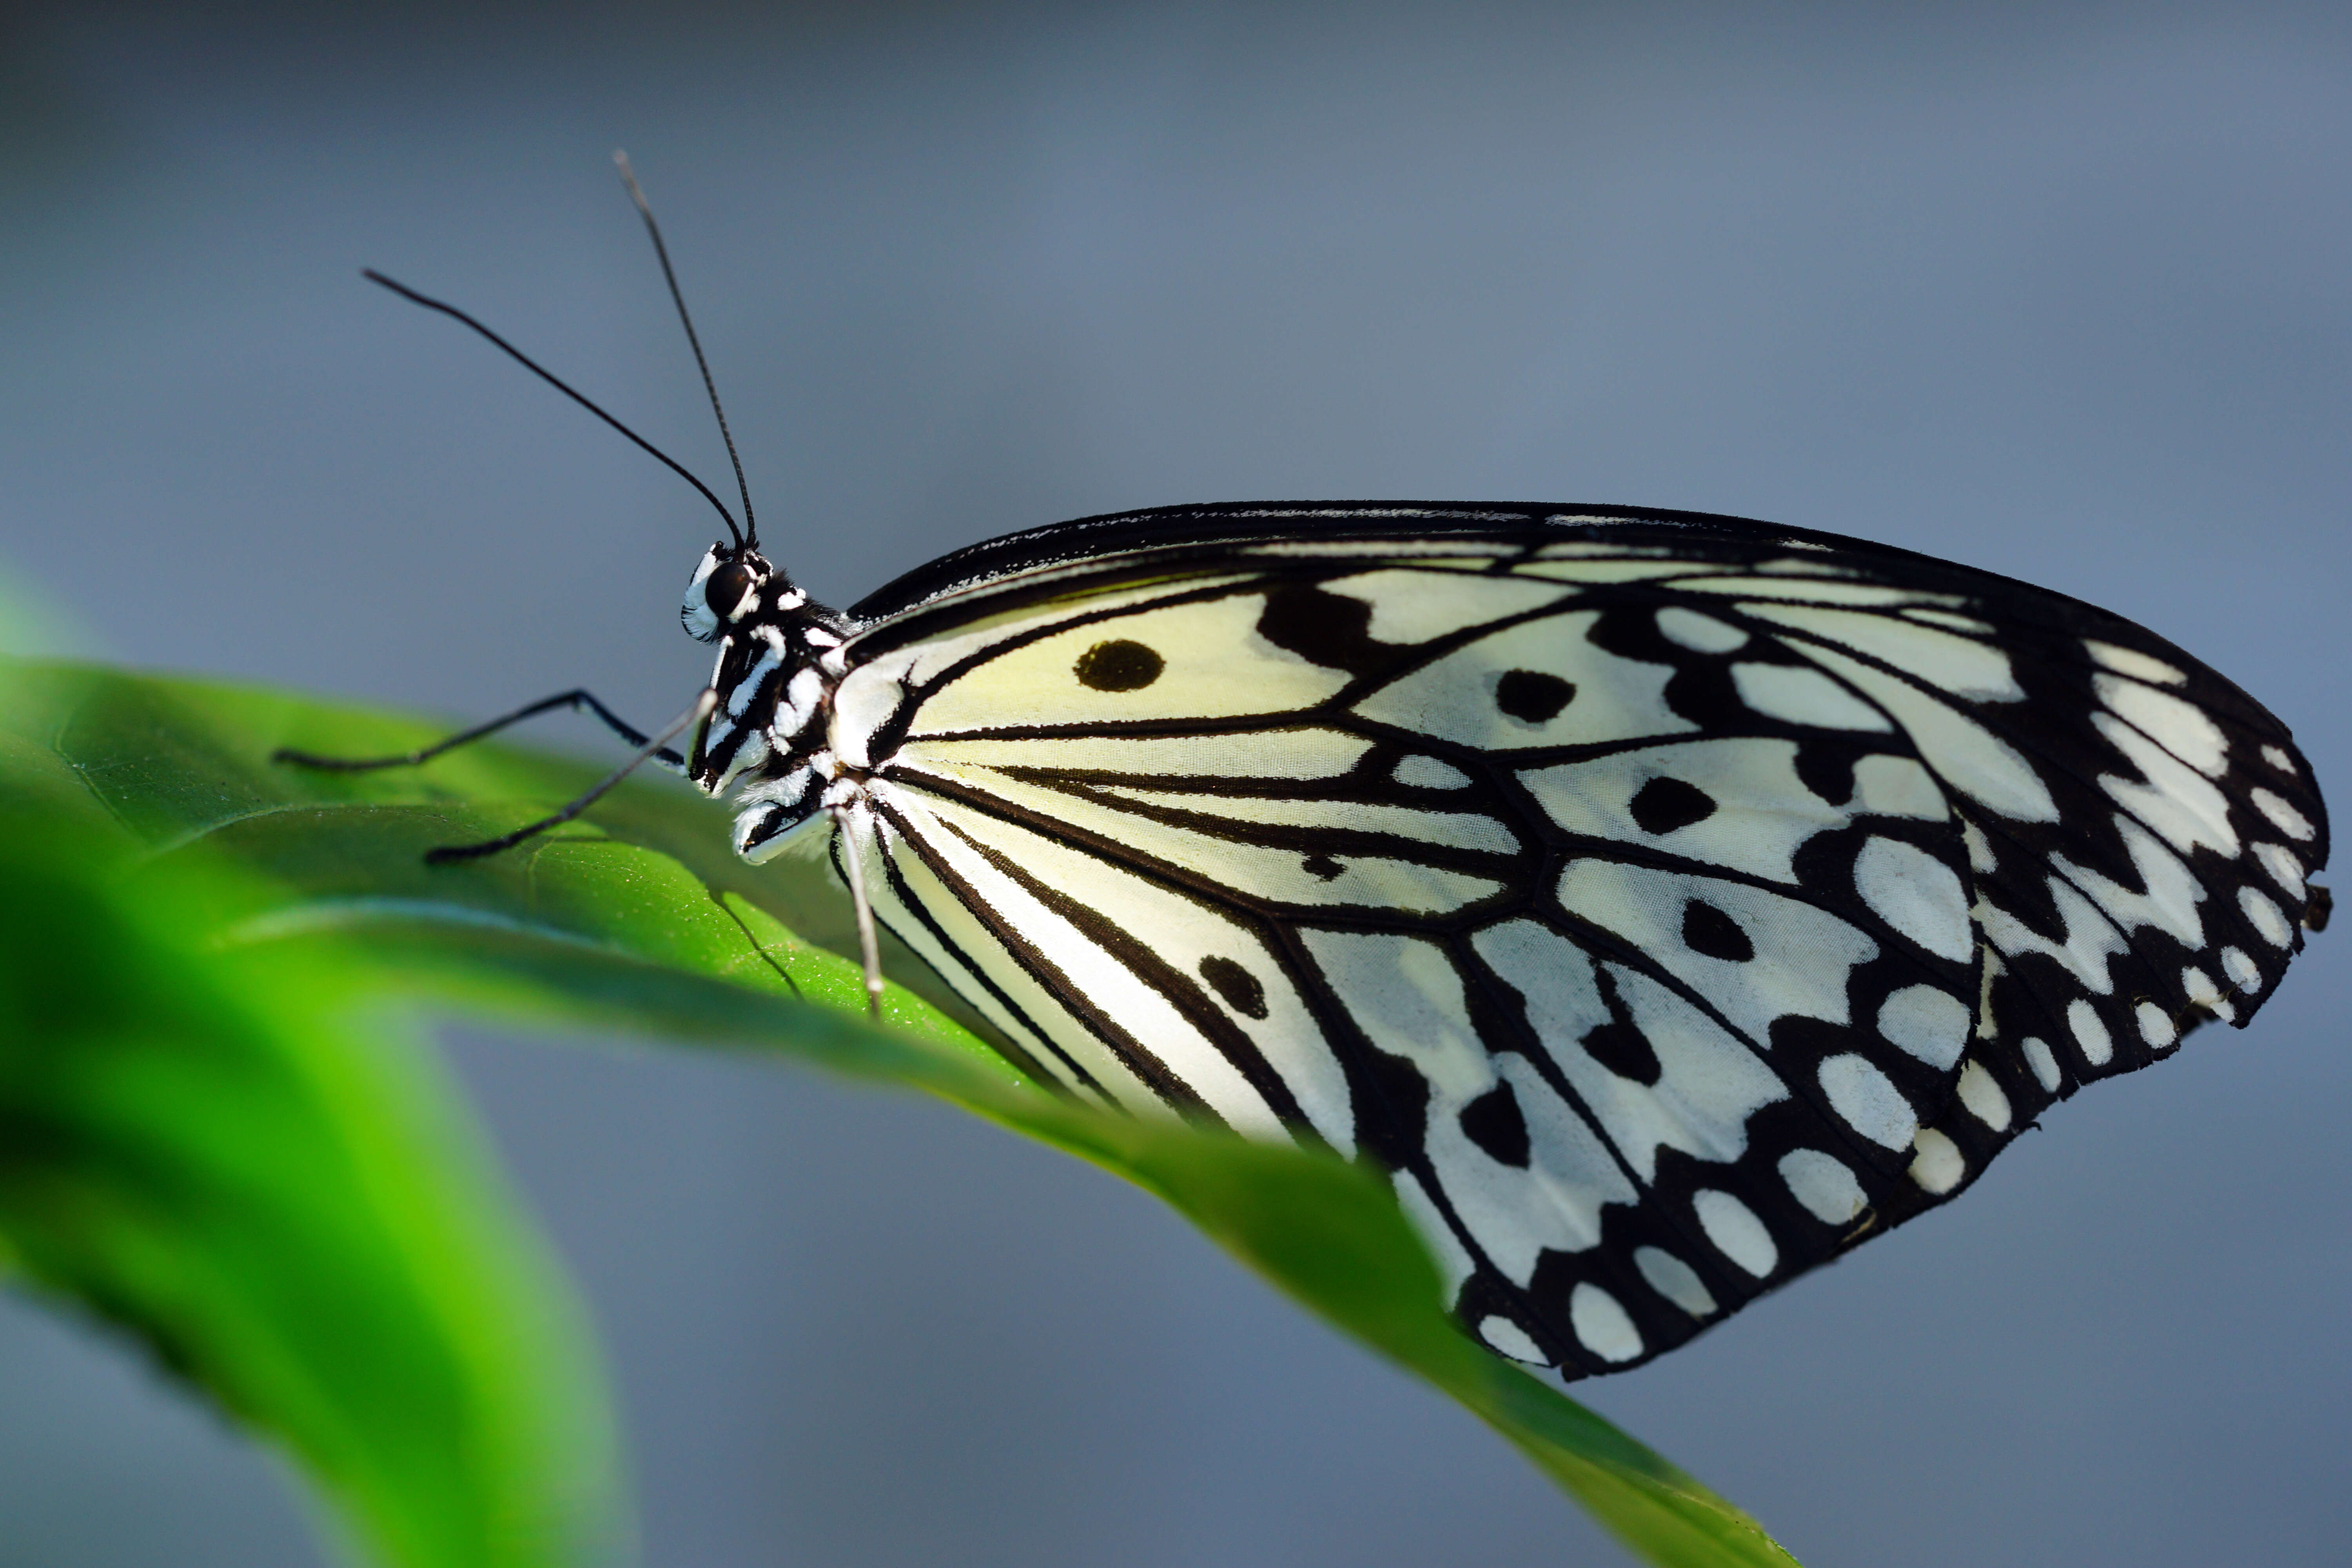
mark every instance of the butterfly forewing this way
{"type": "Point", "coordinates": [1665, 908]}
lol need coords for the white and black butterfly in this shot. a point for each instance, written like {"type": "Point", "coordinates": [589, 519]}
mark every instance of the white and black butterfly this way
{"type": "Point", "coordinates": [1667, 902]}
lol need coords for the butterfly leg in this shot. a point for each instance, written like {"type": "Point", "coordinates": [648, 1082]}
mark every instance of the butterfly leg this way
{"type": "Point", "coordinates": [869, 945]}
{"type": "Point", "coordinates": [650, 748]}
{"type": "Point", "coordinates": [575, 699]}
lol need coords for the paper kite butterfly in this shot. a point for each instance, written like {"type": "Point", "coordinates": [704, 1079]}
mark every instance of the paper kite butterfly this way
{"type": "Point", "coordinates": [1667, 902]}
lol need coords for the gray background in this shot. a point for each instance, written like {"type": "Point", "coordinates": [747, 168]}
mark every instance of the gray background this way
{"type": "Point", "coordinates": [2056, 291]}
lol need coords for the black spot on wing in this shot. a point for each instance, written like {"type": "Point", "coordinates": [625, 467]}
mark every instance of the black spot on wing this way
{"type": "Point", "coordinates": [1707, 930]}
{"type": "Point", "coordinates": [1321, 866]}
{"type": "Point", "coordinates": [1625, 1051]}
{"type": "Point", "coordinates": [1120, 666]}
{"type": "Point", "coordinates": [1240, 988]}
{"type": "Point", "coordinates": [1532, 696]}
{"type": "Point", "coordinates": [1329, 629]}
{"type": "Point", "coordinates": [1664, 805]}
{"type": "Point", "coordinates": [1494, 1123]}
{"type": "Point", "coordinates": [1703, 691]}
{"type": "Point", "coordinates": [1826, 768]}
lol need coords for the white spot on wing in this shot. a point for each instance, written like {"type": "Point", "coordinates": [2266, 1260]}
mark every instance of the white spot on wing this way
{"type": "Point", "coordinates": [1420, 772]}
{"type": "Point", "coordinates": [2265, 917]}
{"type": "Point", "coordinates": [1798, 694]}
{"type": "Point", "coordinates": [1512, 1340]}
{"type": "Point", "coordinates": [1897, 786]}
{"type": "Point", "coordinates": [1870, 1104]}
{"type": "Point", "coordinates": [1950, 622]}
{"type": "Point", "coordinates": [2044, 1064]}
{"type": "Point", "coordinates": [2180, 803]}
{"type": "Point", "coordinates": [2284, 867]}
{"type": "Point", "coordinates": [2156, 1027]}
{"type": "Point", "coordinates": [1736, 1231]}
{"type": "Point", "coordinates": [1676, 1280]}
{"type": "Point", "coordinates": [1601, 1324]}
{"type": "Point", "coordinates": [1938, 1166]}
{"type": "Point", "coordinates": [1925, 1023]}
{"type": "Point", "coordinates": [2131, 662]}
{"type": "Point", "coordinates": [1700, 633]}
{"type": "Point", "coordinates": [2090, 1032]}
{"type": "Point", "coordinates": [1981, 1093]}
{"type": "Point", "coordinates": [2182, 727]}
{"type": "Point", "coordinates": [1410, 606]}
{"type": "Point", "coordinates": [1824, 1183]}
{"type": "Point", "coordinates": [1917, 894]}
{"type": "Point", "coordinates": [2200, 987]}
{"type": "Point", "coordinates": [2288, 820]}
{"type": "Point", "coordinates": [1981, 859]}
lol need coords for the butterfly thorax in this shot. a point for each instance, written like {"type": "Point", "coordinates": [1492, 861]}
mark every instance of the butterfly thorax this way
{"type": "Point", "coordinates": [780, 658]}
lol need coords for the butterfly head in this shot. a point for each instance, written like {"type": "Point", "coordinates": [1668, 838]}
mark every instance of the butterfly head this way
{"type": "Point", "coordinates": [780, 656]}
{"type": "Point", "coordinates": [728, 591]}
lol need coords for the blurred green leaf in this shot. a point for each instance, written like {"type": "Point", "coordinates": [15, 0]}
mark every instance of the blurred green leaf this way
{"type": "Point", "coordinates": [210, 1149]}
{"type": "Point", "coordinates": [639, 917]}
{"type": "Point", "coordinates": [235, 1155]}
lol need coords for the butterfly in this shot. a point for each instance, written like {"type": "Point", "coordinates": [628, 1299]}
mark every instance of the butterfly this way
{"type": "Point", "coordinates": [1664, 903]}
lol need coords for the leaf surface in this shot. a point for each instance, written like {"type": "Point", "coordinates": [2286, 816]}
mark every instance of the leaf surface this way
{"type": "Point", "coordinates": [638, 917]}
{"type": "Point", "coordinates": [238, 1157]}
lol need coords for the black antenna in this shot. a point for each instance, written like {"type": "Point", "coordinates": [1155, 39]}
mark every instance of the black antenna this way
{"type": "Point", "coordinates": [645, 210]}
{"type": "Point", "coordinates": [406, 292]}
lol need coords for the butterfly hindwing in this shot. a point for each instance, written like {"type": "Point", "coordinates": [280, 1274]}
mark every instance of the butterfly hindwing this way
{"type": "Point", "coordinates": [1665, 913]}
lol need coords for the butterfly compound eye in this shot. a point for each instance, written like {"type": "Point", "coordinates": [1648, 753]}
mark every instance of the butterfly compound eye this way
{"type": "Point", "coordinates": [730, 589]}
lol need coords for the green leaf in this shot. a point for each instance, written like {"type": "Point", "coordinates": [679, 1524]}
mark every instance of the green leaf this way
{"type": "Point", "coordinates": [238, 1156]}
{"type": "Point", "coordinates": [638, 917]}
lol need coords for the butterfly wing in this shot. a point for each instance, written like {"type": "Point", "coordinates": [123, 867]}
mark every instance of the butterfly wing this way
{"type": "Point", "coordinates": [1667, 904]}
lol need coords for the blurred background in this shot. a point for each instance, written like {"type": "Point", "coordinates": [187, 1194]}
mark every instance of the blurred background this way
{"type": "Point", "coordinates": [2059, 290]}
